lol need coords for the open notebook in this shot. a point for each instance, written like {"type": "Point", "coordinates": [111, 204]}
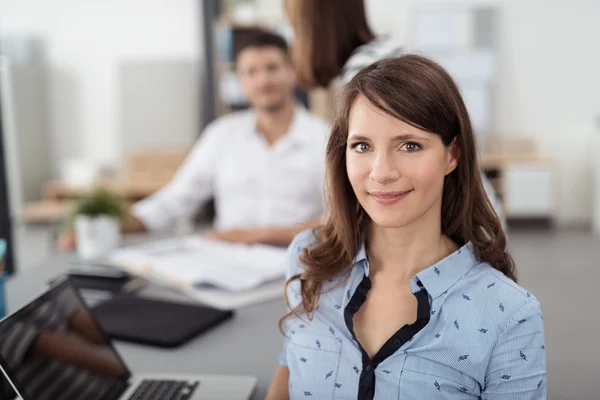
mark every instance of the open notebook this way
{"type": "Point", "coordinates": [202, 267]}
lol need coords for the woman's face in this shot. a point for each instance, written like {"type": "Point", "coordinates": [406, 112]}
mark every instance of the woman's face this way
{"type": "Point", "coordinates": [396, 170]}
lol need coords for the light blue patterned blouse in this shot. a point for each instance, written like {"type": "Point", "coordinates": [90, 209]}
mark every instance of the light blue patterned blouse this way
{"type": "Point", "coordinates": [483, 337]}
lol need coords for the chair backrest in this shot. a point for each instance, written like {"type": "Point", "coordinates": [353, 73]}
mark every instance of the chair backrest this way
{"type": "Point", "coordinates": [154, 165]}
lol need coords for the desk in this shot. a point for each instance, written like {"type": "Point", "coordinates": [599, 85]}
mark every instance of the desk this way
{"type": "Point", "coordinates": [46, 212]}
{"type": "Point", "coordinates": [132, 190]}
{"type": "Point", "coordinates": [146, 172]}
{"type": "Point", "coordinates": [59, 197]}
{"type": "Point", "coordinates": [524, 182]}
{"type": "Point", "coordinates": [248, 344]}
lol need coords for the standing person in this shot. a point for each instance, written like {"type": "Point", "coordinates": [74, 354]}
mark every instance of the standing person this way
{"type": "Point", "coordinates": [407, 291]}
{"type": "Point", "coordinates": [332, 39]}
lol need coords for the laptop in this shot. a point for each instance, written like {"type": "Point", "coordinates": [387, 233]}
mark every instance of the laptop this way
{"type": "Point", "coordinates": [54, 348]}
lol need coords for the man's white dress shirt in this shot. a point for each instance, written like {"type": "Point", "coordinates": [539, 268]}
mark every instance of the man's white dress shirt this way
{"type": "Point", "coordinates": [253, 184]}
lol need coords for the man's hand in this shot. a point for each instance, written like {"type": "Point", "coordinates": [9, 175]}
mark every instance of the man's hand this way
{"type": "Point", "coordinates": [275, 236]}
{"type": "Point", "coordinates": [247, 236]}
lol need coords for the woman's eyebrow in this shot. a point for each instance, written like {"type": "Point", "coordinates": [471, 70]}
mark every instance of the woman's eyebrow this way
{"type": "Point", "coordinates": [408, 136]}
{"type": "Point", "coordinates": [358, 138]}
{"type": "Point", "coordinates": [398, 138]}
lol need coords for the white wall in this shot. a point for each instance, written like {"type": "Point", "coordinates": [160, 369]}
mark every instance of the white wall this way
{"type": "Point", "coordinates": [86, 42]}
{"type": "Point", "coordinates": [550, 89]}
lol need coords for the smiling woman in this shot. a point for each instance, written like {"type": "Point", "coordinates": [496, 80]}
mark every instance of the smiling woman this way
{"type": "Point", "coordinates": [389, 161]}
{"type": "Point", "coordinates": [407, 291]}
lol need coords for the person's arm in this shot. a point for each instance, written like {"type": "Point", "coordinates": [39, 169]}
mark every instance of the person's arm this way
{"type": "Point", "coordinates": [67, 348]}
{"type": "Point", "coordinates": [284, 236]}
{"type": "Point", "coordinates": [181, 198]}
{"type": "Point", "coordinates": [517, 368]}
{"type": "Point", "coordinates": [276, 236]}
{"type": "Point", "coordinates": [278, 389]}
{"type": "Point", "coordinates": [190, 188]}
{"type": "Point", "coordinates": [133, 224]}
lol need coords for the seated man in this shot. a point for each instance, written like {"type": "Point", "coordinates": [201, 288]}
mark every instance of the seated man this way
{"type": "Point", "coordinates": [264, 166]}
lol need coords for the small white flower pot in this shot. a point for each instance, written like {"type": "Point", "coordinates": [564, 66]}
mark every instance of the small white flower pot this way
{"type": "Point", "coordinates": [96, 236]}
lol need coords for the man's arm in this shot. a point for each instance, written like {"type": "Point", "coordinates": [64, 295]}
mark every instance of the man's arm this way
{"type": "Point", "coordinates": [190, 188]}
{"type": "Point", "coordinates": [284, 236]}
{"type": "Point", "coordinates": [181, 198]}
{"type": "Point", "coordinates": [275, 236]}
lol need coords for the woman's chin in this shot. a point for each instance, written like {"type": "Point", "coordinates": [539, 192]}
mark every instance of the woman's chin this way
{"type": "Point", "coordinates": [391, 221]}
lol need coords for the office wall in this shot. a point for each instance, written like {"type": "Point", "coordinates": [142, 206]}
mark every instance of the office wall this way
{"type": "Point", "coordinates": [158, 104]}
{"type": "Point", "coordinates": [549, 89]}
{"type": "Point", "coordinates": [87, 42]}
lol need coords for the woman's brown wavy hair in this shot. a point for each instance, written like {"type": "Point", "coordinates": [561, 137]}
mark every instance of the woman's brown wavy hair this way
{"type": "Point", "coordinates": [421, 93]}
{"type": "Point", "coordinates": [326, 32]}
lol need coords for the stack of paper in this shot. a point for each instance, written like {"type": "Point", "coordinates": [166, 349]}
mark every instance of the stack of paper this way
{"type": "Point", "coordinates": [197, 262]}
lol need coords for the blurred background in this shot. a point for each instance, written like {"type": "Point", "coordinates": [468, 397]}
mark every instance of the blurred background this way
{"type": "Point", "coordinates": [118, 91]}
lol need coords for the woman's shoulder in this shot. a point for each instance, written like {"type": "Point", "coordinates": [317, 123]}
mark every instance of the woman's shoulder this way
{"type": "Point", "coordinates": [369, 53]}
{"type": "Point", "coordinates": [301, 241]}
{"type": "Point", "coordinates": [305, 239]}
{"type": "Point", "coordinates": [503, 296]}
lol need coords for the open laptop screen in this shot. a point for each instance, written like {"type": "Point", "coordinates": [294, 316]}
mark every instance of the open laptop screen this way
{"type": "Point", "coordinates": [53, 349]}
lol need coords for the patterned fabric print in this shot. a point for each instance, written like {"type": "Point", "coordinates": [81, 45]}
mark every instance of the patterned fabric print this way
{"type": "Point", "coordinates": [484, 339]}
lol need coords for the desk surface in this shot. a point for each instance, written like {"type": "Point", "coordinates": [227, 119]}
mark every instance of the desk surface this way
{"type": "Point", "coordinates": [130, 189]}
{"type": "Point", "coordinates": [248, 344]}
{"type": "Point", "coordinates": [46, 211]}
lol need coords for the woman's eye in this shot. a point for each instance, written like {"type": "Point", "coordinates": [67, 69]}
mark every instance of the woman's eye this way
{"type": "Point", "coordinates": [411, 147]}
{"type": "Point", "coordinates": [360, 147]}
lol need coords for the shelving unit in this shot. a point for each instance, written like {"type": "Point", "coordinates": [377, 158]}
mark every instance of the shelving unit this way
{"type": "Point", "coordinates": [462, 38]}
{"type": "Point", "coordinates": [524, 182]}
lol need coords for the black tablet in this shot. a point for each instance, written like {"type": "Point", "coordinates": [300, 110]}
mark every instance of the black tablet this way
{"type": "Point", "coordinates": [155, 322]}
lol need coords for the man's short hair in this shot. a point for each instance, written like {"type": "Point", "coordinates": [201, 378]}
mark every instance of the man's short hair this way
{"type": "Point", "coordinates": [259, 38]}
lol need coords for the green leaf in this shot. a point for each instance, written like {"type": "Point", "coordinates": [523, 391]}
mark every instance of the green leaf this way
{"type": "Point", "coordinates": [101, 201]}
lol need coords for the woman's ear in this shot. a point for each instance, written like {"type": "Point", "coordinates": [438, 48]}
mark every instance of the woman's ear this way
{"type": "Point", "coordinates": [453, 155]}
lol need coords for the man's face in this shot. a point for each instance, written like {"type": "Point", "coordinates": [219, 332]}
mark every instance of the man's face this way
{"type": "Point", "coordinates": [267, 78]}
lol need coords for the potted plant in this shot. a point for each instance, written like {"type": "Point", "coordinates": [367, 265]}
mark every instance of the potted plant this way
{"type": "Point", "coordinates": [97, 219]}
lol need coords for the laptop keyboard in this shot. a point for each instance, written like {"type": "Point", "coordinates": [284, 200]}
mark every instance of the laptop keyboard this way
{"type": "Point", "coordinates": [164, 390]}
